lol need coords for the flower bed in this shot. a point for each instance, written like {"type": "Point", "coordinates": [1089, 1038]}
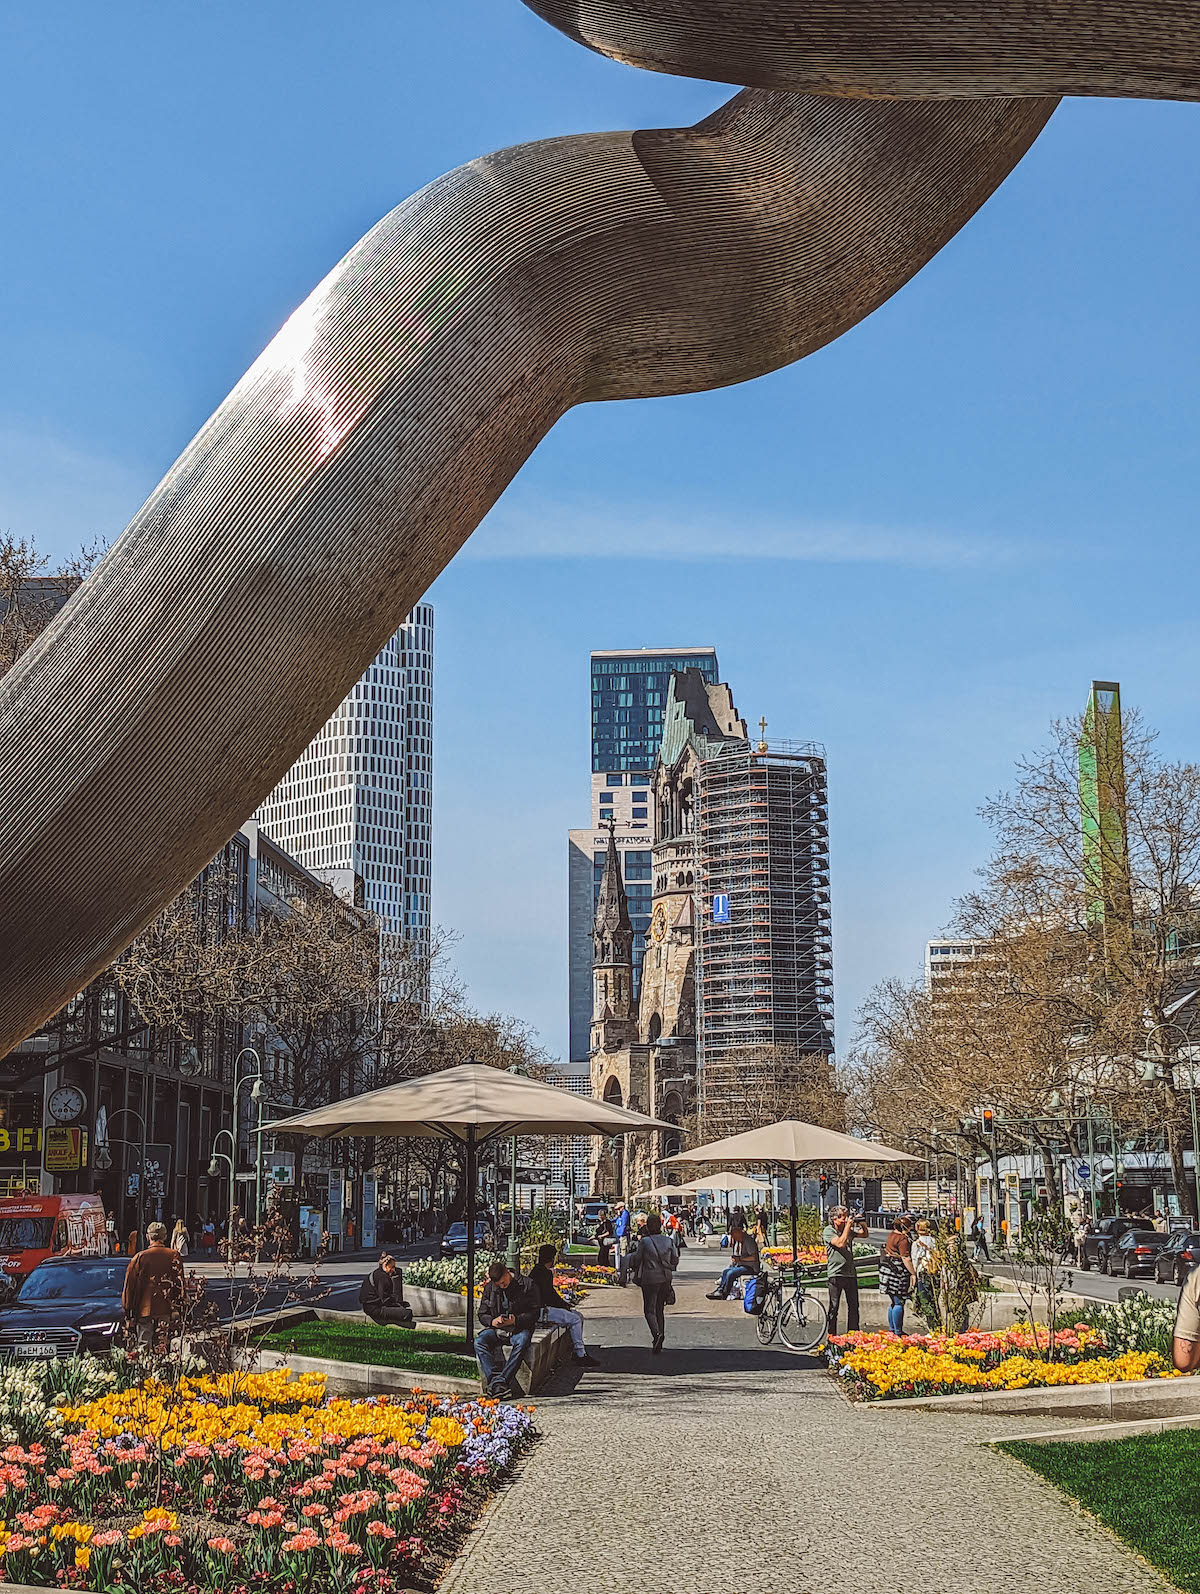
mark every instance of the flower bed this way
{"type": "Point", "coordinates": [447, 1273]}
{"type": "Point", "coordinates": [450, 1273]}
{"type": "Point", "coordinates": [887, 1366]}
{"type": "Point", "coordinates": [250, 1483]}
{"type": "Point", "coordinates": [592, 1273]}
{"type": "Point", "coordinates": [812, 1255]}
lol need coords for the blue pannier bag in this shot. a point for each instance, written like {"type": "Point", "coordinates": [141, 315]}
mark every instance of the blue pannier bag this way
{"type": "Point", "coordinates": [756, 1289]}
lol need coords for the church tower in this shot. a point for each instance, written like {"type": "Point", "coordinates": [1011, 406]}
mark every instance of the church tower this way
{"type": "Point", "coordinates": [614, 1021]}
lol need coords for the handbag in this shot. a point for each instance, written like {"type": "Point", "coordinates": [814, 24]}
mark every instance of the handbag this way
{"type": "Point", "coordinates": [669, 1297]}
{"type": "Point", "coordinates": [893, 1277]}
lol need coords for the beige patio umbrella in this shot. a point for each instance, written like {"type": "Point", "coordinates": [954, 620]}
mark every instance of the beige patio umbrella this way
{"type": "Point", "coordinates": [662, 1190]}
{"type": "Point", "coordinates": [472, 1105]}
{"type": "Point", "coordinates": [792, 1143]}
{"type": "Point", "coordinates": [726, 1183]}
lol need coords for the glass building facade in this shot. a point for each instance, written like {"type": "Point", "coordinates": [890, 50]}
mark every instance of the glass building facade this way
{"type": "Point", "coordinates": [357, 805]}
{"type": "Point", "coordinates": [629, 693]}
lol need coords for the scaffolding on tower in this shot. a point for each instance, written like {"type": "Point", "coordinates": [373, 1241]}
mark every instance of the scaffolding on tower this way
{"type": "Point", "coordinates": [764, 949]}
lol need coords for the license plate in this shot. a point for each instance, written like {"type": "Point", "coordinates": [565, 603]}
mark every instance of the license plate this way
{"type": "Point", "coordinates": [34, 1350]}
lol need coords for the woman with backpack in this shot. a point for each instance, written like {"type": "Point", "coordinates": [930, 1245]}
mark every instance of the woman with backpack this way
{"type": "Point", "coordinates": [652, 1265]}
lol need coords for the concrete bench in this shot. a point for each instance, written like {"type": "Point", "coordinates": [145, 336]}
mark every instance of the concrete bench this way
{"type": "Point", "coordinates": [550, 1346]}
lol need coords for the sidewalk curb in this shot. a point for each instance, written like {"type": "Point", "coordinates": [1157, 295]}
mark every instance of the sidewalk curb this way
{"type": "Point", "coordinates": [1096, 1433]}
{"type": "Point", "coordinates": [1153, 1397]}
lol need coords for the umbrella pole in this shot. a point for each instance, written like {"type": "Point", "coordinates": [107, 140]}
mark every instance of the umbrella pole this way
{"type": "Point", "coordinates": [792, 1199]}
{"type": "Point", "coordinates": [472, 1174]}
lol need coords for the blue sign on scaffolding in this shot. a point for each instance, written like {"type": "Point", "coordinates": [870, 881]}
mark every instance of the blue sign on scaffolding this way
{"type": "Point", "coordinates": [721, 908]}
{"type": "Point", "coordinates": [1083, 1172]}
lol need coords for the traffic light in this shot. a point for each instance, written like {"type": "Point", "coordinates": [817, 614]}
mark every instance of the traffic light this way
{"type": "Point", "coordinates": [824, 1183]}
{"type": "Point", "coordinates": [987, 1121]}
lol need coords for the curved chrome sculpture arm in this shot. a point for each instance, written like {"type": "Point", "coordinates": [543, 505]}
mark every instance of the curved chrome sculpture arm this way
{"type": "Point", "coordinates": [365, 444]}
{"type": "Point", "coordinates": [902, 49]}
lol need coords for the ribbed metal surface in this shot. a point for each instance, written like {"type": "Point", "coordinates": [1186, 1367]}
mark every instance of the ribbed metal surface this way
{"type": "Point", "coordinates": [371, 436]}
{"type": "Point", "coordinates": [903, 49]}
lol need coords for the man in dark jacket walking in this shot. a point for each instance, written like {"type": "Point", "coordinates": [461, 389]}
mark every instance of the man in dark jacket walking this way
{"type": "Point", "coordinates": [381, 1294]}
{"type": "Point", "coordinates": [508, 1314]}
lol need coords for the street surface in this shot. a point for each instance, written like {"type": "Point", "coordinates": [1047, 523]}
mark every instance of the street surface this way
{"type": "Point", "coordinates": [1094, 1286]}
{"type": "Point", "coordinates": [722, 1467]}
{"type": "Point", "coordinates": [334, 1283]}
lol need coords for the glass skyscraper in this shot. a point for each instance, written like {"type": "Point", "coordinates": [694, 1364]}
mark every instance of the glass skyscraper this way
{"type": "Point", "coordinates": [357, 806]}
{"type": "Point", "coordinates": [629, 694]}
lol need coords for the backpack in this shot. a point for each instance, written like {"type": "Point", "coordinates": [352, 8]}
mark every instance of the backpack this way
{"type": "Point", "coordinates": [755, 1294]}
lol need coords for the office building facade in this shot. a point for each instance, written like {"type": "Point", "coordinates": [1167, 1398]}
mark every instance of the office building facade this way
{"type": "Point", "coordinates": [629, 692]}
{"type": "Point", "coordinates": [357, 807]}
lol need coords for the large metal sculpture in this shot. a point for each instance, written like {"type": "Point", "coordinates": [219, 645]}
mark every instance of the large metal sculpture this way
{"type": "Point", "coordinates": [371, 436]}
{"type": "Point", "coordinates": [903, 49]}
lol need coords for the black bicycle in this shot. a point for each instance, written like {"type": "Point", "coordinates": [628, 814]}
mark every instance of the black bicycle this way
{"type": "Point", "coordinates": [797, 1317]}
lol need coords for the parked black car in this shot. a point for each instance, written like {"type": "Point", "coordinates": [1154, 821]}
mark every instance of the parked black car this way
{"type": "Point", "coordinates": [1106, 1234]}
{"type": "Point", "coordinates": [1134, 1253]}
{"type": "Point", "coordinates": [454, 1241]}
{"type": "Point", "coordinates": [66, 1306]}
{"type": "Point", "coordinates": [1178, 1257]}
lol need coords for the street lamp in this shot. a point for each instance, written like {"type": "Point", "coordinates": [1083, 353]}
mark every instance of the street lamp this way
{"type": "Point", "coordinates": [214, 1168]}
{"type": "Point", "coordinates": [260, 1130]}
{"type": "Point", "coordinates": [102, 1150]}
{"type": "Point", "coordinates": [1164, 1070]}
{"type": "Point", "coordinates": [257, 1090]}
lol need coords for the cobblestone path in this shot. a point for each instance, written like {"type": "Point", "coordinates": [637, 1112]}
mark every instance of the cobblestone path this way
{"type": "Point", "coordinates": [723, 1468]}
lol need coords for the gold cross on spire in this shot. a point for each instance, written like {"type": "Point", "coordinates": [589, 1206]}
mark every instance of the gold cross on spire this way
{"type": "Point", "coordinates": [762, 731]}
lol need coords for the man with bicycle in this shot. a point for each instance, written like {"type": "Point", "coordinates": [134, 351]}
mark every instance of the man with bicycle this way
{"type": "Point", "coordinates": [744, 1260]}
{"type": "Point", "coordinates": [840, 1234]}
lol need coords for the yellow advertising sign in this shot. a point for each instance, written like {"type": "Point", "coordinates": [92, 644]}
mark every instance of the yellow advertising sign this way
{"type": "Point", "coordinates": [66, 1150]}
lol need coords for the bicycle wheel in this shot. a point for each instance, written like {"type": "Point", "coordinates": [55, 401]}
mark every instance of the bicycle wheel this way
{"type": "Point", "coordinates": [802, 1323]}
{"type": "Point", "coordinates": [768, 1319]}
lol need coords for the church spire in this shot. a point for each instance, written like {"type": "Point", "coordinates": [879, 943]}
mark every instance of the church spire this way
{"type": "Point", "coordinates": [612, 907]}
{"type": "Point", "coordinates": [612, 958]}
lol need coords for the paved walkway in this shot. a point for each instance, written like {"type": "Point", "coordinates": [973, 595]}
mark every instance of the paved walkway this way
{"type": "Point", "coordinates": [722, 1468]}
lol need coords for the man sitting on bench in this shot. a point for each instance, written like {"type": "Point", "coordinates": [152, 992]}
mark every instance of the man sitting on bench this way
{"type": "Point", "coordinates": [508, 1314]}
{"type": "Point", "coordinates": [381, 1295]}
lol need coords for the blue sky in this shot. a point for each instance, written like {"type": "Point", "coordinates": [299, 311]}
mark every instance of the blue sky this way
{"type": "Point", "coordinates": [917, 546]}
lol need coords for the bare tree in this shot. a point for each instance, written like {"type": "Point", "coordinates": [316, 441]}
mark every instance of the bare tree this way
{"type": "Point", "coordinates": [1098, 937]}
{"type": "Point", "coordinates": [30, 594]}
{"type": "Point", "coordinates": [764, 1084]}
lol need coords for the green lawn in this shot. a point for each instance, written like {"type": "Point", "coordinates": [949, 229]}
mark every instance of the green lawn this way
{"type": "Point", "coordinates": [1144, 1489]}
{"type": "Point", "coordinates": [419, 1350]}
